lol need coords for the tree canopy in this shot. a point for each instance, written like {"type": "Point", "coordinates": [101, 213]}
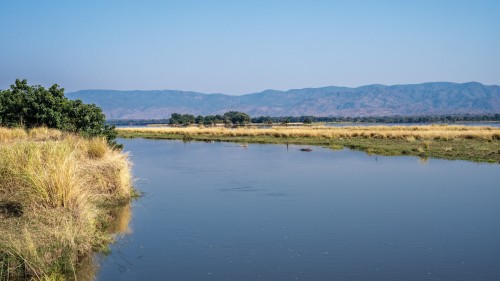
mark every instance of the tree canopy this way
{"type": "Point", "coordinates": [32, 106]}
{"type": "Point", "coordinates": [182, 119]}
{"type": "Point", "coordinates": [380, 119]}
{"type": "Point", "coordinates": [236, 117]}
{"type": "Point", "coordinates": [231, 117]}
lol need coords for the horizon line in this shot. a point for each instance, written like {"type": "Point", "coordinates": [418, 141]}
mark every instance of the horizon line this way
{"type": "Point", "coordinates": [291, 89]}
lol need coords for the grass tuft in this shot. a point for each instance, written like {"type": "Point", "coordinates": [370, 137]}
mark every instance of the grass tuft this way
{"type": "Point", "coordinates": [55, 189]}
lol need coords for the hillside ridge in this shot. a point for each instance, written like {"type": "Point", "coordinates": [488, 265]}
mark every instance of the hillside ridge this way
{"type": "Point", "coordinates": [432, 98]}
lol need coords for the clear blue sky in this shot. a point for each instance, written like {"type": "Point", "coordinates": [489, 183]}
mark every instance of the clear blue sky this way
{"type": "Point", "coordinates": [238, 47]}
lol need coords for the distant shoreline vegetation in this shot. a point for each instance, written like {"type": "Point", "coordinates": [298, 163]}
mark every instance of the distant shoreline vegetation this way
{"type": "Point", "coordinates": [188, 119]}
{"type": "Point", "coordinates": [473, 143]}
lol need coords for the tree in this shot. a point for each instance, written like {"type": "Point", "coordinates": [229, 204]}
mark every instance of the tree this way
{"type": "Point", "coordinates": [188, 119]}
{"type": "Point", "coordinates": [175, 119]}
{"type": "Point", "coordinates": [236, 117]}
{"type": "Point", "coordinates": [209, 120]}
{"type": "Point", "coordinates": [200, 120]}
{"type": "Point", "coordinates": [308, 119]}
{"type": "Point", "coordinates": [32, 106]}
{"type": "Point", "coordinates": [182, 119]}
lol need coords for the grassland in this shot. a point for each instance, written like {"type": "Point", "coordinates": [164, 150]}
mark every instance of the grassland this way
{"type": "Point", "coordinates": [480, 144]}
{"type": "Point", "coordinates": [58, 198]}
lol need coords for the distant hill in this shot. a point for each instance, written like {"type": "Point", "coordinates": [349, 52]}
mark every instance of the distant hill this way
{"type": "Point", "coordinates": [372, 100]}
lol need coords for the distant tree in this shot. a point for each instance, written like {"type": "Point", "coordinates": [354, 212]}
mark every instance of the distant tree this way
{"type": "Point", "coordinates": [31, 106]}
{"type": "Point", "coordinates": [182, 119]}
{"type": "Point", "coordinates": [175, 119]}
{"type": "Point", "coordinates": [227, 120]}
{"type": "Point", "coordinates": [200, 119]}
{"type": "Point", "coordinates": [188, 119]}
{"type": "Point", "coordinates": [209, 120]}
{"type": "Point", "coordinates": [235, 117]}
{"type": "Point", "coordinates": [308, 119]}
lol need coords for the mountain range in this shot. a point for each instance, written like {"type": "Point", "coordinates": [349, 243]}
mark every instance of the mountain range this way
{"type": "Point", "coordinates": [436, 98]}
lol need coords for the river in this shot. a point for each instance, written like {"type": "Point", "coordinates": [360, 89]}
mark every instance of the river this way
{"type": "Point", "coordinates": [221, 211]}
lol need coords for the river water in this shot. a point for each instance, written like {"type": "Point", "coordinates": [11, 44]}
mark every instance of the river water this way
{"type": "Point", "coordinates": [221, 211]}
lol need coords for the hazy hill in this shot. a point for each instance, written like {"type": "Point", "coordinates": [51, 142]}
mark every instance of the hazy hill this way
{"type": "Point", "coordinates": [371, 100]}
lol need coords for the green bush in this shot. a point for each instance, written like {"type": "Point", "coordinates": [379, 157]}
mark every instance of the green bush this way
{"type": "Point", "coordinates": [34, 106]}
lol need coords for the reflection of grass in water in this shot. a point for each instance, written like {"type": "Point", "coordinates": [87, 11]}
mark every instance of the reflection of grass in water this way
{"type": "Point", "coordinates": [423, 160]}
{"type": "Point", "coordinates": [119, 218]}
{"type": "Point", "coordinates": [117, 224]}
{"type": "Point", "coordinates": [55, 190]}
{"type": "Point", "coordinates": [449, 142]}
{"type": "Point", "coordinates": [336, 147]}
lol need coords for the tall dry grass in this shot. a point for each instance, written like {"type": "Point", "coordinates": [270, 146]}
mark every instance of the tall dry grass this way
{"type": "Point", "coordinates": [410, 133]}
{"type": "Point", "coordinates": [53, 187]}
{"type": "Point", "coordinates": [9, 135]}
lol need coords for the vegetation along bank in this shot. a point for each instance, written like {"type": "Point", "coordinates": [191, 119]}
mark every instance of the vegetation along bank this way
{"type": "Point", "coordinates": [63, 179]}
{"type": "Point", "coordinates": [56, 193]}
{"type": "Point", "coordinates": [480, 144]}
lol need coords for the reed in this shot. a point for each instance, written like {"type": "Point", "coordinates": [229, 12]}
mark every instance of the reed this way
{"type": "Point", "coordinates": [54, 189]}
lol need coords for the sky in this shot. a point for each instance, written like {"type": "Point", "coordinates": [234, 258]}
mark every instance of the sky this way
{"type": "Point", "coordinates": [238, 47]}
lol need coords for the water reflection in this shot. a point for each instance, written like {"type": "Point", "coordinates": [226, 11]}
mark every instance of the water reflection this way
{"type": "Point", "coordinates": [119, 218]}
{"type": "Point", "coordinates": [216, 212]}
{"type": "Point", "coordinates": [86, 269]}
{"type": "Point", "coordinates": [423, 160]}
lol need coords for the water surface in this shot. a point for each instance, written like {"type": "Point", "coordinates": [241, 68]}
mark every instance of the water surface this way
{"type": "Point", "coordinates": [219, 211]}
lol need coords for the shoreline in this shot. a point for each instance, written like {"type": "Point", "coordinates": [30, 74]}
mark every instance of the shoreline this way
{"type": "Point", "coordinates": [478, 144]}
{"type": "Point", "coordinates": [63, 198]}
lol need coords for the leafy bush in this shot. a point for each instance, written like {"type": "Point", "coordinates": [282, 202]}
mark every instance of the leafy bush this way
{"type": "Point", "coordinates": [34, 106]}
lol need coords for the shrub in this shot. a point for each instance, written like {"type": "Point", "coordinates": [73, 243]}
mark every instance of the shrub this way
{"type": "Point", "coordinates": [34, 106]}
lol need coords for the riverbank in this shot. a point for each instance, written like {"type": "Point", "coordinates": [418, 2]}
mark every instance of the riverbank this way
{"type": "Point", "coordinates": [58, 194]}
{"type": "Point", "coordinates": [481, 144]}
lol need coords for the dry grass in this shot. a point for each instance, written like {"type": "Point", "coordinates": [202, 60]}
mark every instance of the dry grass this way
{"type": "Point", "coordinates": [53, 187]}
{"type": "Point", "coordinates": [480, 144]}
{"type": "Point", "coordinates": [44, 133]}
{"type": "Point", "coordinates": [9, 135]}
{"type": "Point", "coordinates": [409, 133]}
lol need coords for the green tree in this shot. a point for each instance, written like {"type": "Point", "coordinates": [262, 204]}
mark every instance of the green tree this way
{"type": "Point", "coordinates": [308, 119]}
{"type": "Point", "coordinates": [200, 120]}
{"type": "Point", "coordinates": [175, 119]}
{"type": "Point", "coordinates": [209, 120]}
{"type": "Point", "coordinates": [32, 106]}
{"type": "Point", "coordinates": [188, 119]}
{"type": "Point", "coordinates": [236, 117]}
{"type": "Point", "coordinates": [182, 119]}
